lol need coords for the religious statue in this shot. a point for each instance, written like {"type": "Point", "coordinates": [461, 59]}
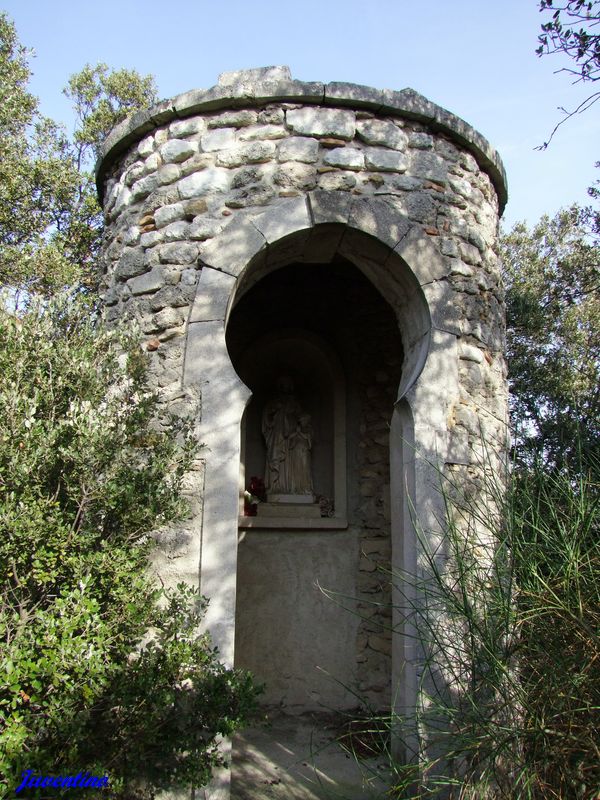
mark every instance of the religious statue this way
{"type": "Point", "coordinates": [288, 435]}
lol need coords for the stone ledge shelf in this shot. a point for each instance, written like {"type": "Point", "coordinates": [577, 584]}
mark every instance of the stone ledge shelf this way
{"type": "Point", "coordinates": [264, 85]}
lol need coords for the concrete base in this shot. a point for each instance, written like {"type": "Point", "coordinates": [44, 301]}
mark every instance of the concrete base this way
{"type": "Point", "coordinates": [297, 758]}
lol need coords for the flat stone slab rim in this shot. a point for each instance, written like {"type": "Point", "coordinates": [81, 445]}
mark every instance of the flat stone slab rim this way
{"type": "Point", "coordinates": [249, 92]}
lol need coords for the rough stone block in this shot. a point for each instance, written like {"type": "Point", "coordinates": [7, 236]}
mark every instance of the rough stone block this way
{"type": "Point", "coordinates": [196, 163]}
{"type": "Point", "coordinates": [448, 247]}
{"type": "Point", "coordinates": [467, 161]}
{"type": "Point", "coordinates": [134, 173]}
{"type": "Point", "coordinates": [405, 183]}
{"type": "Point", "coordinates": [419, 206]}
{"type": "Point", "coordinates": [168, 318]}
{"type": "Point", "coordinates": [247, 176]}
{"type": "Point", "coordinates": [146, 284]}
{"type": "Point", "coordinates": [131, 236]}
{"type": "Point", "coordinates": [461, 187]}
{"type": "Point", "coordinates": [111, 297]}
{"type": "Point", "coordinates": [131, 263]}
{"type": "Point", "coordinates": [205, 229]}
{"type": "Point", "coordinates": [271, 115]}
{"type": "Point", "coordinates": [296, 175]}
{"type": "Point", "coordinates": [203, 183]}
{"type": "Point", "coordinates": [385, 160]}
{"type": "Point", "coordinates": [469, 253]}
{"type": "Point", "coordinates": [175, 151]}
{"type": "Point", "coordinates": [322, 122]}
{"type": "Point", "coordinates": [233, 119]}
{"type": "Point", "coordinates": [152, 163]}
{"type": "Point", "coordinates": [469, 352]}
{"type": "Point", "coordinates": [178, 253]}
{"type": "Point", "coordinates": [187, 127]}
{"type": "Point", "coordinates": [123, 198]}
{"type": "Point", "coordinates": [337, 181]}
{"type": "Point", "coordinates": [146, 146]}
{"type": "Point", "coordinates": [299, 149]}
{"type": "Point", "coordinates": [189, 277]}
{"type": "Point", "coordinates": [151, 239]}
{"type": "Point", "coordinates": [262, 132]}
{"type": "Point", "coordinates": [168, 174]}
{"type": "Point", "coordinates": [257, 195]}
{"type": "Point", "coordinates": [195, 206]}
{"type": "Point", "coordinates": [143, 188]}
{"type": "Point", "coordinates": [462, 269]}
{"type": "Point", "coordinates": [420, 141]}
{"type": "Point", "coordinates": [176, 296]}
{"type": "Point", "coordinates": [381, 132]}
{"type": "Point", "coordinates": [167, 214]}
{"type": "Point", "coordinates": [477, 239]}
{"type": "Point", "coordinates": [430, 166]}
{"type": "Point", "coordinates": [218, 139]}
{"type": "Point", "coordinates": [254, 153]}
{"type": "Point", "coordinates": [176, 231]}
{"type": "Point", "coordinates": [346, 158]}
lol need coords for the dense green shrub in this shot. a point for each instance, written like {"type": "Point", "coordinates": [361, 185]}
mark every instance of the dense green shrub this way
{"type": "Point", "coordinates": [85, 474]}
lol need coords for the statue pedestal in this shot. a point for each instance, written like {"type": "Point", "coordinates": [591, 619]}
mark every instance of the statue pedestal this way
{"type": "Point", "coordinates": [288, 509]}
{"type": "Point", "coordinates": [293, 499]}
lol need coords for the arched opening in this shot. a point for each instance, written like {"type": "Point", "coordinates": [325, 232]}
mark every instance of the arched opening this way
{"type": "Point", "coordinates": [321, 242]}
{"type": "Point", "coordinates": [313, 615]}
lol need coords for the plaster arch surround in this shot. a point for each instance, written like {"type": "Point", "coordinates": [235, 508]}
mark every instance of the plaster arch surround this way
{"type": "Point", "coordinates": [400, 262]}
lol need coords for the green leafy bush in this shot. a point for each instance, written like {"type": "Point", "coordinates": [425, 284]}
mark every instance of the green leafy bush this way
{"type": "Point", "coordinates": [86, 472]}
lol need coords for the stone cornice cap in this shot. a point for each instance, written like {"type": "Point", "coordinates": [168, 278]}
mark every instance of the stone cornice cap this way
{"type": "Point", "coordinates": [257, 87]}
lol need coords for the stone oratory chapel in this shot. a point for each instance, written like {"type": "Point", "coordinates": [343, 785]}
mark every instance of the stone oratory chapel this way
{"type": "Point", "coordinates": [313, 268]}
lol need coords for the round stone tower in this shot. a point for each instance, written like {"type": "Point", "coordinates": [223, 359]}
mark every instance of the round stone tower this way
{"type": "Point", "coordinates": [342, 237]}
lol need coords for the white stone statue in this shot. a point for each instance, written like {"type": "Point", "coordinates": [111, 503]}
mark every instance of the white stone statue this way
{"type": "Point", "coordinates": [287, 431]}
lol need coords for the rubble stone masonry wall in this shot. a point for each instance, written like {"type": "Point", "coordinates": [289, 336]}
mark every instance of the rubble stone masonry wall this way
{"type": "Point", "coordinates": [174, 178]}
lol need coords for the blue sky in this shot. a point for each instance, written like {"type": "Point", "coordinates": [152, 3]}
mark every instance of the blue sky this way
{"type": "Point", "coordinates": [474, 57]}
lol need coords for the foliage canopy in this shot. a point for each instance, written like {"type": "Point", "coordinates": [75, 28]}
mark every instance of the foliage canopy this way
{"type": "Point", "coordinates": [552, 275]}
{"type": "Point", "coordinates": [50, 220]}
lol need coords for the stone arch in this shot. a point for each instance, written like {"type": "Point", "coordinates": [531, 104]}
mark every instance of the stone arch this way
{"type": "Point", "coordinates": [395, 254]}
{"type": "Point", "coordinates": [398, 258]}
